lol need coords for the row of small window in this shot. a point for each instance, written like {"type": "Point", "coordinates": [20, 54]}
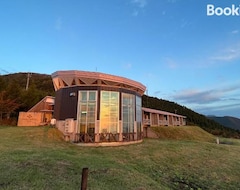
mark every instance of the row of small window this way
{"type": "Point", "coordinates": [109, 96]}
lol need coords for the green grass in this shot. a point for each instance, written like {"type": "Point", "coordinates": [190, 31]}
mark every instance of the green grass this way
{"type": "Point", "coordinates": [192, 133]}
{"type": "Point", "coordinates": [37, 158]}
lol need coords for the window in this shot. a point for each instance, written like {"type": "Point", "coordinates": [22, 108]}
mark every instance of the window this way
{"type": "Point", "coordinates": [128, 112]}
{"type": "Point", "coordinates": [87, 111]}
{"type": "Point", "coordinates": [109, 113]}
{"type": "Point", "coordinates": [139, 113]}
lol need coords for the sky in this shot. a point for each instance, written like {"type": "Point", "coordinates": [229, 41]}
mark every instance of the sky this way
{"type": "Point", "coordinates": [173, 47]}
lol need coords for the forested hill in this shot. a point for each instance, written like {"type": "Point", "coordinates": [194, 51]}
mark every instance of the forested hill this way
{"type": "Point", "coordinates": [193, 118]}
{"type": "Point", "coordinates": [42, 82]}
{"type": "Point", "coordinates": [14, 98]}
{"type": "Point", "coordinates": [13, 89]}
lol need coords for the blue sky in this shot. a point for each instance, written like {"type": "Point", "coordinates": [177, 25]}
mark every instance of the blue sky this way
{"type": "Point", "coordinates": [171, 46]}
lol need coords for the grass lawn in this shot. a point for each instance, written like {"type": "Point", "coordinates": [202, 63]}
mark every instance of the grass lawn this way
{"type": "Point", "coordinates": [37, 158]}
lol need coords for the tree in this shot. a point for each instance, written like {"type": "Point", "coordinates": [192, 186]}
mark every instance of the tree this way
{"type": "Point", "coordinates": [7, 105]}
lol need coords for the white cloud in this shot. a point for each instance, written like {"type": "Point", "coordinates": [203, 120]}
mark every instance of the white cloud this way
{"type": "Point", "coordinates": [139, 6]}
{"type": "Point", "coordinates": [171, 1]}
{"type": "Point", "coordinates": [127, 66]}
{"type": "Point", "coordinates": [235, 32]}
{"type": "Point", "coordinates": [228, 54]}
{"type": "Point", "coordinates": [197, 96]}
{"type": "Point", "coordinates": [230, 109]}
{"type": "Point", "coordinates": [170, 63]}
{"type": "Point", "coordinates": [135, 13]}
{"type": "Point", "coordinates": [140, 3]}
{"type": "Point", "coordinates": [58, 23]}
{"type": "Point", "coordinates": [149, 75]}
{"type": "Point", "coordinates": [184, 23]}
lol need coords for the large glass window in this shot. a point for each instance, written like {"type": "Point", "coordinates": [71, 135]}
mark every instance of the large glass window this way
{"type": "Point", "coordinates": [139, 113]}
{"type": "Point", "coordinates": [109, 113]}
{"type": "Point", "coordinates": [128, 112]}
{"type": "Point", "coordinates": [87, 111]}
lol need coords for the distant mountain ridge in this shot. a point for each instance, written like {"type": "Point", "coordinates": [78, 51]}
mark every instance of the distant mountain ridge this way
{"type": "Point", "coordinates": [227, 121]}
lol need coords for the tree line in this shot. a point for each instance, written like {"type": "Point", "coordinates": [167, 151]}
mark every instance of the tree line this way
{"type": "Point", "coordinates": [15, 98]}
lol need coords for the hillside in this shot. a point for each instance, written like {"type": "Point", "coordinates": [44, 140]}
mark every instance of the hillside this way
{"type": "Point", "coordinates": [13, 86]}
{"type": "Point", "coordinates": [231, 122]}
{"type": "Point", "coordinates": [13, 90]}
{"type": "Point", "coordinates": [41, 82]}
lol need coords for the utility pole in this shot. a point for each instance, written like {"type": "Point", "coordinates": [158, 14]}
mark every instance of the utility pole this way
{"type": "Point", "coordinates": [28, 78]}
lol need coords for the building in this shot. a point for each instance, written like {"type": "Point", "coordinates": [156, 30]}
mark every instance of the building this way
{"type": "Point", "coordinates": [93, 107]}
{"type": "Point", "coordinates": [152, 117]}
{"type": "Point", "coordinates": [38, 115]}
{"type": "Point", "coordinates": [97, 107]}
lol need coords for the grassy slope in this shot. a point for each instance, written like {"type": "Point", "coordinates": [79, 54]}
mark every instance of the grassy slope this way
{"type": "Point", "coordinates": [183, 133]}
{"type": "Point", "coordinates": [37, 158]}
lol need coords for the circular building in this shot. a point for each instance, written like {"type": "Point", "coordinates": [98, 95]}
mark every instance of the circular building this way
{"type": "Point", "coordinates": [93, 107]}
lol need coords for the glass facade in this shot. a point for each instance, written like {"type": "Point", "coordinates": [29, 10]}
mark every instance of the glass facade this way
{"type": "Point", "coordinates": [109, 112]}
{"type": "Point", "coordinates": [87, 111]}
{"type": "Point", "coordinates": [117, 116]}
{"type": "Point", "coordinates": [128, 112]}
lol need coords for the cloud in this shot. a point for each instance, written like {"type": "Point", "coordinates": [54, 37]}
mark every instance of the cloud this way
{"type": "Point", "coordinates": [139, 6]}
{"type": "Point", "coordinates": [184, 23]}
{"type": "Point", "coordinates": [172, 1]}
{"type": "Point", "coordinates": [4, 71]}
{"type": "Point", "coordinates": [228, 54]}
{"type": "Point", "coordinates": [196, 96]}
{"type": "Point", "coordinates": [231, 109]}
{"type": "Point", "coordinates": [215, 101]}
{"type": "Point", "coordinates": [156, 93]}
{"type": "Point", "coordinates": [159, 94]}
{"type": "Point", "coordinates": [235, 32]}
{"type": "Point", "coordinates": [205, 96]}
{"type": "Point", "coordinates": [140, 3]}
{"type": "Point", "coordinates": [170, 63]}
{"type": "Point", "coordinates": [135, 13]}
{"type": "Point", "coordinates": [58, 23]}
{"type": "Point", "coordinates": [127, 66]}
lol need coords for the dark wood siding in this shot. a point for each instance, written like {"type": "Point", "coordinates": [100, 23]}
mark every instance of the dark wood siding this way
{"type": "Point", "coordinates": [66, 104]}
{"type": "Point", "coordinates": [57, 104]}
